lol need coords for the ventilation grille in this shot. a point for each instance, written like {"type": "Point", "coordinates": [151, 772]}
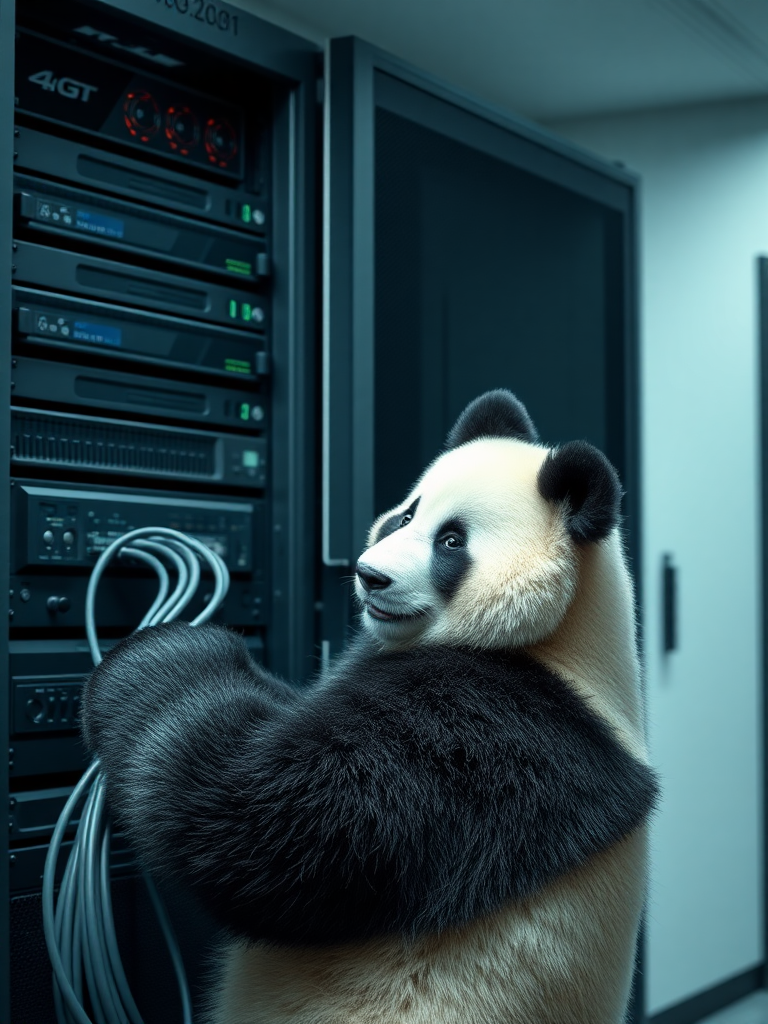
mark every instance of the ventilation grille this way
{"type": "Point", "coordinates": [110, 447]}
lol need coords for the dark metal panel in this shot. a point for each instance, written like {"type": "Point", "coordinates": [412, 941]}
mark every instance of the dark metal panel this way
{"type": "Point", "coordinates": [633, 490]}
{"type": "Point", "coordinates": [506, 138]}
{"type": "Point", "coordinates": [528, 130]}
{"type": "Point", "coordinates": [348, 328]}
{"type": "Point", "coordinates": [293, 396]}
{"type": "Point", "coordinates": [256, 43]}
{"type": "Point", "coordinates": [7, 34]}
{"type": "Point", "coordinates": [363, 81]}
{"type": "Point", "coordinates": [338, 143]}
{"type": "Point", "coordinates": [632, 394]}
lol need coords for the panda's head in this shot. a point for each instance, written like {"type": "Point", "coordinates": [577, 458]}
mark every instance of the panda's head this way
{"type": "Point", "coordinates": [484, 551]}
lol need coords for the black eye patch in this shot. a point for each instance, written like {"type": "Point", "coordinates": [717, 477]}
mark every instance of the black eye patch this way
{"type": "Point", "coordinates": [394, 522]}
{"type": "Point", "coordinates": [450, 557]}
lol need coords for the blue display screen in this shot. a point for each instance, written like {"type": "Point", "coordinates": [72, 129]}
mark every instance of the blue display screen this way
{"type": "Point", "coordinates": [97, 334]}
{"type": "Point", "coordinates": [99, 224]}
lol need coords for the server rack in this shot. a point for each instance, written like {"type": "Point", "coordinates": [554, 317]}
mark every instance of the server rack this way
{"type": "Point", "coordinates": [158, 329]}
{"type": "Point", "coordinates": [215, 373]}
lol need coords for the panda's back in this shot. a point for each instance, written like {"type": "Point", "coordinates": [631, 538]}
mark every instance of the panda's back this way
{"type": "Point", "coordinates": [558, 953]}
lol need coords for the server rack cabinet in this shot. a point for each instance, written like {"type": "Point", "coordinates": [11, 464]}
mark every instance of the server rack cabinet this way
{"type": "Point", "coordinates": [157, 326]}
{"type": "Point", "coordinates": [462, 249]}
{"type": "Point", "coordinates": [7, 19]}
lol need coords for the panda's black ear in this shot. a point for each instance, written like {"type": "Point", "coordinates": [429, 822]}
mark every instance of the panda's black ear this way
{"type": "Point", "coordinates": [494, 414]}
{"type": "Point", "coordinates": [581, 477]}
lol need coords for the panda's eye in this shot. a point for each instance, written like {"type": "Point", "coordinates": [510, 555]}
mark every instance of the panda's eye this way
{"type": "Point", "coordinates": [406, 519]}
{"type": "Point", "coordinates": [452, 540]}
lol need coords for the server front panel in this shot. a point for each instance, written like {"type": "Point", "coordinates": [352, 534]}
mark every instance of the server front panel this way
{"type": "Point", "coordinates": [141, 384]}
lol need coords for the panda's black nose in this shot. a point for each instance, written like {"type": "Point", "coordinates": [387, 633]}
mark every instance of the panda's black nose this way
{"type": "Point", "coordinates": [370, 579]}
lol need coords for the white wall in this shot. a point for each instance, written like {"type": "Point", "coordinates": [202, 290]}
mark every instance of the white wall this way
{"type": "Point", "coordinates": [704, 220]}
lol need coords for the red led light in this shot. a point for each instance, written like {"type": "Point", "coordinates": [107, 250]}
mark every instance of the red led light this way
{"type": "Point", "coordinates": [220, 142]}
{"type": "Point", "coordinates": [141, 115]}
{"type": "Point", "coordinates": [182, 129]}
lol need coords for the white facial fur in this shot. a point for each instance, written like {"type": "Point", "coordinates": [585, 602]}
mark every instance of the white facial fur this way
{"type": "Point", "coordinates": [523, 569]}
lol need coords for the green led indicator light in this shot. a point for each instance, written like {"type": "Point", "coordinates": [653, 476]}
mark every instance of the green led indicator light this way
{"type": "Point", "coordinates": [245, 411]}
{"type": "Point", "coordinates": [250, 460]}
{"type": "Point", "coordinates": [238, 266]}
{"type": "Point", "coordinates": [246, 310]}
{"type": "Point", "coordinates": [245, 213]}
{"type": "Point", "coordinates": [237, 366]}
{"type": "Point", "coordinates": [233, 308]}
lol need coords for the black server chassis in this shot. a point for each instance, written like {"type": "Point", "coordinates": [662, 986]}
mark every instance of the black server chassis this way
{"type": "Point", "coordinates": [141, 313]}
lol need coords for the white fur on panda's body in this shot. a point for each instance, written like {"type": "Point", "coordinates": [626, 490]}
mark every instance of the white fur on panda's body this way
{"type": "Point", "coordinates": [563, 956]}
{"type": "Point", "coordinates": [503, 547]}
{"type": "Point", "coordinates": [560, 957]}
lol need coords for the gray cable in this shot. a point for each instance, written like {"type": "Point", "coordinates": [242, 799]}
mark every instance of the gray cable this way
{"type": "Point", "coordinates": [186, 586]}
{"type": "Point", "coordinates": [69, 997]}
{"type": "Point", "coordinates": [113, 951]}
{"type": "Point", "coordinates": [91, 965]}
{"type": "Point", "coordinates": [79, 927]}
{"type": "Point", "coordinates": [221, 589]}
{"type": "Point", "coordinates": [162, 575]}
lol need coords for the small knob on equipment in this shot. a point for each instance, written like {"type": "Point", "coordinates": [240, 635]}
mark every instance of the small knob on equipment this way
{"type": "Point", "coordinates": [35, 710]}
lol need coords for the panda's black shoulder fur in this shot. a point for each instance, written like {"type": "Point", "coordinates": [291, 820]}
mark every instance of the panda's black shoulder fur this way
{"type": "Point", "coordinates": [404, 792]}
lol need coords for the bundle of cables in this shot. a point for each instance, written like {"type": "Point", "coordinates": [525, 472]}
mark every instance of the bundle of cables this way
{"type": "Point", "coordinates": [79, 926]}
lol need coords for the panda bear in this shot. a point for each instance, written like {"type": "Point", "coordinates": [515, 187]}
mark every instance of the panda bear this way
{"type": "Point", "coordinates": [447, 827]}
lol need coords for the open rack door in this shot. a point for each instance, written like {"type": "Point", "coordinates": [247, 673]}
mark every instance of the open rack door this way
{"type": "Point", "coordinates": [464, 250]}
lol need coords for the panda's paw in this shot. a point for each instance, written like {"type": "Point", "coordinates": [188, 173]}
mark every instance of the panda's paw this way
{"type": "Point", "coordinates": [152, 669]}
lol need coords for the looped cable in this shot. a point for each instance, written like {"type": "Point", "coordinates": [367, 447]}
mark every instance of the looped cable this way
{"type": "Point", "coordinates": [79, 927]}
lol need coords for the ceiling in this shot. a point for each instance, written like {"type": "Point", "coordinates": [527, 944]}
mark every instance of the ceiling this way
{"type": "Point", "coordinates": [555, 59]}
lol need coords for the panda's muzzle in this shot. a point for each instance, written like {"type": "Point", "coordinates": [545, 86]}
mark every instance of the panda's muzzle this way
{"type": "Point", "coordinates": [370, 579]}
{"type": "Point", "coordinates": [373, 582]}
